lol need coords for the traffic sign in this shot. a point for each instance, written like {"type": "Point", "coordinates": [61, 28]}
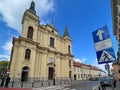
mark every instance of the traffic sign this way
{"type": "Point", "coordinates": [101, 34]}
{"type": "Point", "coordinates": [103, 45]}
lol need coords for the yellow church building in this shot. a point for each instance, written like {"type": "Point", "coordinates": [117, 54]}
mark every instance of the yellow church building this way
{"type": "Point", "coordinates": [40, 52]}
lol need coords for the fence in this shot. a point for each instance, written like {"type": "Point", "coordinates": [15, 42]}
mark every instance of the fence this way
{"type": "Point", "coordinates": [41, 83]}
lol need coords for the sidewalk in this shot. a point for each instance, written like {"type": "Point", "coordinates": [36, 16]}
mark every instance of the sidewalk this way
{"type": "Point", "coordinates": [117, 86]}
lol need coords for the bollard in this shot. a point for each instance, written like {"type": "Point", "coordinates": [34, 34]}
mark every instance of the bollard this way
{"type": "Point", "coordinates": [64, 82]}
{"type": "Point", "coordinates": [99, 87]}
{"type": "Point", "coordinates": [42, 84]}
{"type": "Point", "coordinates": [60, 82]}
{"type": "Point", "coordinates": [53, 81]}
{"type": "Point", "coordinates": [48, 83]}
{"type": "Point", "coordinates": [21, 84]}
{"type": "Point", "coordinates": [32, 84]}
{"type": "Point", "coordinates": [13, 83]}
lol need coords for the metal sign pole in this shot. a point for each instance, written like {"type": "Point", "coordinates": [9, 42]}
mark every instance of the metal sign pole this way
{"type": "Point", "coordinates": [108, 69]}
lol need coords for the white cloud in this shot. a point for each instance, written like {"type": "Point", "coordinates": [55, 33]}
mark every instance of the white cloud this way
{"type": "Point", "coordinates": [7, 46]}
{"type": "Point", "coordinates": [101, 66]}
{"type": "Point", "coordinates": [4, 57]}
{"type": "Point", "coordinates": [82, 60]}
{"type": "Point", "coordinates": [12, 10]}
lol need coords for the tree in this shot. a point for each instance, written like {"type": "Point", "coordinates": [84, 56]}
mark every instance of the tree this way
{"type": "Point", "coordinates": [3, 68]}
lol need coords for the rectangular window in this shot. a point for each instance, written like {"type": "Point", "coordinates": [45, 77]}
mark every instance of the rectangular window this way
{"type": "Point", "coordinates": [74, 69]}
{"type": "Point", "coordinates": [78, 76]}
{"type": "Point", "coordinates": [51, 41]}
{"type": "Point", "coordinates": [81, 76]}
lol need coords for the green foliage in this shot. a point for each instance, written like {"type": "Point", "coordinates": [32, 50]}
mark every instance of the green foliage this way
{"type": "Point", "coordinates": [3, 67]}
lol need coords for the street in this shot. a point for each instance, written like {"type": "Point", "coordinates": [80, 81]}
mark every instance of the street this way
{"type": "Point", "coordinates": [84, 85]}
{"type": "Point", "coordinates": [81, 85]}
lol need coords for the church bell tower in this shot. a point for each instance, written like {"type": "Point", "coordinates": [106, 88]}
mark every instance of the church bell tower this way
{"type": "Point", "coordinates": [30, 22]}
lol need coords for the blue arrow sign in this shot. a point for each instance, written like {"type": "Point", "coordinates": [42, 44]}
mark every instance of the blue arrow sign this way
{"type": "Point", "coordinates": [100, 34]}
{"type": "Point", "coordinates": [103, 45]}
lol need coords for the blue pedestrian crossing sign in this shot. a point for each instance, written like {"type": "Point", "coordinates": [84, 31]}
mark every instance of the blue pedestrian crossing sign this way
{"type": "Point", "coordinates": [103, 45]}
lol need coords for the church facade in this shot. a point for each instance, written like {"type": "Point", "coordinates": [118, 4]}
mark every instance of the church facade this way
{"type": "Point", "coordinates": [40, 53]}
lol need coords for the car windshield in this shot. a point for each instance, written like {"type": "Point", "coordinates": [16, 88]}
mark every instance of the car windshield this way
{"type": "Point", "coordinates": [105, 79]}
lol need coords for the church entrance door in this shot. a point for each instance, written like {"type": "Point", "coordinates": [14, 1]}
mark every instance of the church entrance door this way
{"type": "Point", "coordinates": [50, 73]}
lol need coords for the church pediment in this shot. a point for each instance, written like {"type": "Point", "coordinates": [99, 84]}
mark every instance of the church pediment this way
{"type": "Point", "coordinates": [51, 64]}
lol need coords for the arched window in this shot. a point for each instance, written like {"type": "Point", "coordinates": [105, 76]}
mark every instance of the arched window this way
{"type": "Point", "coordinates": [30, 33]}
{"type": "Point", "coordinates": [27, 54]}
{"type": "Point", "coordinates": [69, 49]}
{"type": "Point", "coordinates": [69, 63]}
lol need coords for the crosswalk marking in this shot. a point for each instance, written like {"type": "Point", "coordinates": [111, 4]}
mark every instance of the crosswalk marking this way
{"type": "Point", "coordinates": [54, 88]}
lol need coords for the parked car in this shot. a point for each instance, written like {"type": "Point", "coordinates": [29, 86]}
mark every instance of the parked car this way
{"type": "Point", "coordinates": [105, 81]}
{"type": "Point", "coordinates": [93, 79]}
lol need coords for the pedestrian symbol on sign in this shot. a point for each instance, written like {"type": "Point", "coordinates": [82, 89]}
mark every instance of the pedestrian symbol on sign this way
{"type": "Point", "coordinates": [106, 56]}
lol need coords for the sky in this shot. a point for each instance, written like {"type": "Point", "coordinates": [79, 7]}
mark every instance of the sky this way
{"type": "Point", "coordinates": [82, 17]}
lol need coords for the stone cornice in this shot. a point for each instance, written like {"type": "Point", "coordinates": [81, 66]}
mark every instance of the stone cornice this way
{"type": "Point", "coordinates": [68, 38]}
{"type": "Point", "coordinates": [52, 51]}
{"type": "Point", "coordinates": [24, 39]}
{"type": "Point", "coordinates": [31, 16]}
{"type": "Point", "coordinates": [51, 64]}
{"type": "Point", "coordinates": [70, 55]}
{"type": "Point", "coordinates": [38, 46]}
{"type": "Point", "coordinates": [45, 30]}
{"type": "Point", "coordinates": [52, 27]}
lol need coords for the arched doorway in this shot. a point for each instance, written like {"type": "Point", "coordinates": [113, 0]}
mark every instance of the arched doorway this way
{"type": "Point", "coordinates": [75, 77]}
{"type": "Point", "coordinates": [24, 75]}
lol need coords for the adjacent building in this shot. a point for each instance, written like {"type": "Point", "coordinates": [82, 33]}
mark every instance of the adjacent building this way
{"type": "Point", "coordinates": [84, 72]}
{"type": "Point", "coordinates": [40, 53]}
{"type": "Point", "coordinates": [115, 4]}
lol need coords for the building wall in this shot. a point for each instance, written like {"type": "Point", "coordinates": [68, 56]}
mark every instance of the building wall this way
{"type": "Point", "coordinates": [78, 73]}
{"type": "Point", "coordinates": [116, 72]}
